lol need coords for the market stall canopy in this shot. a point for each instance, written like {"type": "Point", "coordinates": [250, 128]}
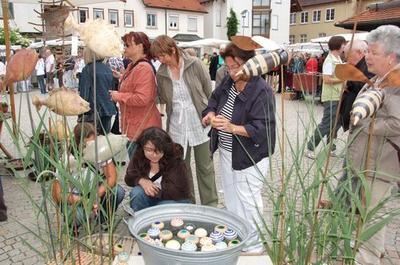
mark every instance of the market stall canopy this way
{"type": "Point", "coordinates": [347, 36]}
{"type": "Point", "coordinates": [308, 47]}
{"type": "Point", "coordinates": [55, 42]}
{"type": "Point", "coordinates": [203, 43]}
{"type": "Point", "coordinates": [73, 2]}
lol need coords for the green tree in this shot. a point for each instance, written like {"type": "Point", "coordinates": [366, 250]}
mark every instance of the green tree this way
{"type": "Point", "coordinates": [232, 24]}
{"type": "Point", "coordinates": [15, 38]}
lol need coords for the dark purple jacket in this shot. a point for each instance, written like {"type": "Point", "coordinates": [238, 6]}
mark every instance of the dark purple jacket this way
{"type": "Point", "coordinates": [254, 108]}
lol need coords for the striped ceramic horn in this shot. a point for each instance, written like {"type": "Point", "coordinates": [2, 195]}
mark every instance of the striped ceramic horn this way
{"type": "Point", "coordinates": [263, 63]}
{"type": "Point", "coordinates": [366, 104]}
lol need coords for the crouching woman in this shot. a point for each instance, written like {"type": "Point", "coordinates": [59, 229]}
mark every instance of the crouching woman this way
{"type": "Point", "coordinates": [157, 171]}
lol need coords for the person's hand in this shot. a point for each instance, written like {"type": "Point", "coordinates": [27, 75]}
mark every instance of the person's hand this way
{"type": "Point", "coordinates": [113, 95]}
{"type": "Point", "coordinates": [208, 118]}
{"type": "Point", "coordinates": [223, 124]}
{"type": "Point", "coordinates": [95, 209]}
{"type": "Point", "coordinates": [149, 187]}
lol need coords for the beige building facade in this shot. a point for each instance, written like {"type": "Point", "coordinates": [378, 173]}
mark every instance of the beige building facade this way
{"type": "Point", "coordinates": [318, 18]}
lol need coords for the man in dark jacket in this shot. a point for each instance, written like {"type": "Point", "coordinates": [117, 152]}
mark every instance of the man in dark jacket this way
{"type": "Point", "coordinates": [356, 57]}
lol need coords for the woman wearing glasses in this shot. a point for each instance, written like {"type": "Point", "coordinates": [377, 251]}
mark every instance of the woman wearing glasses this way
{"type": "Point", "coordinates": [157, 171]}
{"type": "Point", "coordinates": [242, 116]}
{"type": "Point", "coordinates": [137, 91]}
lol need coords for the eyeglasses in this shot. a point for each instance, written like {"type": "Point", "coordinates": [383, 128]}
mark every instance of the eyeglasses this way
{"type": "Point", "coordinates": [152, 150]}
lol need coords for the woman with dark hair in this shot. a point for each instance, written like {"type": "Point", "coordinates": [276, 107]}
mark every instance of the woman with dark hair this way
{"type": "Point", "coordinates": [157, 171]}
{"type": "Point", "coordinates": [242, 116]}
{"type": "Point", "coordinates": [185, 86]}
{"type": "Point", "coordinates": [137, 91]}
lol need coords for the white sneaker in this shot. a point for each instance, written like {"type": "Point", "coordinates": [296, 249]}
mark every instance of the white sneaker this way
{"type": "Point", "coordinates": [309, 154]}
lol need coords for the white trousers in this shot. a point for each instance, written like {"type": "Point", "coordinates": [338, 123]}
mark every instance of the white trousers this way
{"type": "Point", "coordinates": [242, 193]}
{"type": "Point", "coordinates": [370, 251]}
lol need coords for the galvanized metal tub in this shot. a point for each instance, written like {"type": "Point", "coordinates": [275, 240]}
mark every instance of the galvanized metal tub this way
{"type": "Point", "coordinates": [155, 255]}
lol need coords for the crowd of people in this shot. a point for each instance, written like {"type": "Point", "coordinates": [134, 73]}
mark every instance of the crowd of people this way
{"type": "Point", "coordinates": [237, 118]}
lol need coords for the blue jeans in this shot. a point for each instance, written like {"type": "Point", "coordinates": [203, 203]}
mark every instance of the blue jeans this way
{"type": "Point", "coordinates": [42, 86]}
{"type": "Point", "coordinates": [139, 199]}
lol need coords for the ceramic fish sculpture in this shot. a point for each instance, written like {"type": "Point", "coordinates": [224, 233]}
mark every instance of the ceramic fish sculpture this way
{"type": "Point", "coordinates": [20, 66]}
{"type": "Point", "coordinates": [107, 147]}
{"type": "Point", "coordinates": [63, 102]}
{"type": "Point", "coordinates": [59, 130]}
{"type": "Point", "coordinates": [262, 64]}
{"type": "Point", "coordinates": [366, 104]}
{"type": "Point", "coordinates": [98, 35]}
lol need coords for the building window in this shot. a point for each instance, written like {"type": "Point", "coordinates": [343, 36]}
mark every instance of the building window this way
{"type": "Point", "coordinates": [151, 20]}
{"type": "Point", "coordinates": [113, 16]}
{"type": "Point", "coordinates": [304, 17]}
{"type": "Point", "coordinates": [83, 15]}
{"type": "Point", "coordinates": [292, 39]}
{"type": "Point", "coordinates": [261, 23]}
{"type": "Point", "coordinates": [218, 18]}
{"type": "Point", "coordinates": [98, 13]}
{"type": "Point", "coordinates": [192, 24]}
{"type": "Point", "coordinates": [274, 22]}
{"type": "Point", "coordinates": [128, 18]}
{"type": "Point", "coordinates": [330, 14]}
{"type": "Point", "coordinates": [10, 11]}
{"type": "Point", "coordinates": [321, 35]}
{"type": "Point", "coordinates": [263, 3]}
{"type": "Point", "coordinates": [303, 38]}
{"type": "Point", "coordinates": [173, 22]}
{"type": "Point", "coordinates": [292, 18]}
{"type": "Point", "coordinates": [316, 17]}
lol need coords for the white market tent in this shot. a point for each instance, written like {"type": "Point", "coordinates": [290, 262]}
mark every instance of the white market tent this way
{"type": "Point", "coordinates": [56, 42]}
{"type": "Point", "coordinates": [347, 36]}
{"type": "Point", "coordinates": [215, 43]}
{"type": "Point", "coordinates": [309, 47]}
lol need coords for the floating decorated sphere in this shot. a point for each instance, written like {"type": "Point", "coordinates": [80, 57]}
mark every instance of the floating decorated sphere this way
{"type": "Point", "coordinates": [144, 236]}
{"type": "Point", "coordinates": [221, 245]}
{"type": "Point", "coordinates": [158, 242]}
{"type": "Point", "coordinates": [153, 232]}
{"type": "Point", "coordinates": [233, 243]}
{"type": "Point", "coordinates": [192, 238]}
{"type": "Point", "coordinates": [183, 233]}
{"type": "Point", "coordinates": [220, 228]}
{"type": "Point", "coordinates": [176, 223]}
{"type": "Point", "coordinates": [158, 224]}
{"type": "Point", "coordinates": [173, 244]}
{"type": "Point", "coordinates": [189, 246]}
{"type": "Point", "coordinates": [230, 234]}
{"type": "Point", "coordinates": [206, 248]}
{"type": "Point", "coordinates": [200, 232]}
{"type": "Point", "coordinates": [190, 227]}
{"type": "Point", "coordinates": [165, 235]}
{"type": "Point", "coordinates": [205, 241]}
{"type": "Point", "coordinates": [118, 248]}
{"type": "Point", "coordinates": [216, 237]}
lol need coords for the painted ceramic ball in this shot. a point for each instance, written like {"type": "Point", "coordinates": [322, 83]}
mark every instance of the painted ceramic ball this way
{"type": "Point", "coordinates": [233, 243]}
{"type": "Point", "coordinates": [165, 235]}
{"type": "Point", "coordinates": [229, 234]}
{"type": "Point", "coordinates": [221, 245]}
{"type": "Point", "coordinates": [144, 236]}
{"type": "Point", "coordinates": [216, 237]}
{"type": "Point", "coordinates": [183, 233]}
{"type": "Point", "coordinates": [118, 248]}
{"type": "Point", "coordinates": [189, 246]}
{"type": "Point", "coordinates": [192, 238]}
{"type": "Point", "coordinates": [190, 227]}
{"type": "Point", "coordinates": [200, 232]}
{"type": "Point", "coordinates": [158, 242]}
{"type": "Point", "coordinates": [158, 224]}
{"type": "Point", "coordinates": [153, 232]}
{"type": "Point", "coordinates": [176, 223]}
{"type": "Point", "coordinates": [205, 241]}
{"type": "Point", "coordinates": [173, 244]}
{"type": "Point", "coordinates": [206, 248]}
{"type": "Point", "coordinates": [220, 228]}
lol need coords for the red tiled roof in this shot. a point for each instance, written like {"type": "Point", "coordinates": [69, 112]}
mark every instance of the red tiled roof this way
{"type": "Point", "coordinates": [305, 3]}
{"type": "Point", "coordinates": [184, 5]}
{"type": "Point", "coordinates": [367, 19]}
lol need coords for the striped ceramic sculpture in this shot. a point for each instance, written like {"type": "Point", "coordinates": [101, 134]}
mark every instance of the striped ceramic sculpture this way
{"type": "Point", "coordinates": [366, 104]}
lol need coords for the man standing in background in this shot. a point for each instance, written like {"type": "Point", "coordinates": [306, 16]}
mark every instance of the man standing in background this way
{"type": "Point", "coordinates": [50, 64]}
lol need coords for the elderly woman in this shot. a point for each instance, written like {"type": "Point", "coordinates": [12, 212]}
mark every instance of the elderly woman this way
{"type": "Point", "coordinates": [104, 79]}
{"type": "Point", "coordinates": [185, 86]}
{"type": "Point", "coordinates": [374, 146]}
{"type": "Point", "coordinates": [137, 91]}
{"type": "Point", "coordinates": [242, 114]}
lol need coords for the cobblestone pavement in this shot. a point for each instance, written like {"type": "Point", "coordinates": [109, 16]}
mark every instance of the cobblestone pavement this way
{"type": "Point", "coordinates": [16, 241]}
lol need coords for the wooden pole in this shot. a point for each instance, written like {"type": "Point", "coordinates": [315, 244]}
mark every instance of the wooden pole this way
{"type": "Point", "coordinates": [4, 6]}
